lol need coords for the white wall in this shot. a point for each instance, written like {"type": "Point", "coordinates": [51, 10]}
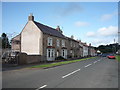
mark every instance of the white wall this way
{"type": "Point", "coordinates": [85, 50]}
{"type": "Point", "coordinates": [31, 39]}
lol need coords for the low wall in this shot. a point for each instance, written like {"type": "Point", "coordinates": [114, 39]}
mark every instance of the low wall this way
{"type": "Point", "coordinates": [23, 58]}
{"type": "Point", "coordinates": [33, 58]}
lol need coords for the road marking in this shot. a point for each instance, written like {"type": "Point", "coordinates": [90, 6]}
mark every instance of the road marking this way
{"type": "Point", "coordinates": [88, 65]}
{"type": "Point", "coordinates": [71, 73]}
{"type": "Point", "coordinates": [98, 60]}
{"type": "Point", "coordinates": [95, 62]}
{"type": "Point", "coordinates": [41, 87]}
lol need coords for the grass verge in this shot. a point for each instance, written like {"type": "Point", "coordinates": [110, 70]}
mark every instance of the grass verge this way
{"type": "Point", "coordinates": [59, 63]}
{"type": "Point", "coordinates": [118, 57]}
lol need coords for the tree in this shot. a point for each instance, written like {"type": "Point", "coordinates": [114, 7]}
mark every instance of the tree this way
{"type": "Point", "coordinates": [5, 41]}
{"type": "Point", "coordinates": [111, 48]}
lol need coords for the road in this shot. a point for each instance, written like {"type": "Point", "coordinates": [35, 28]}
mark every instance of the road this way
{"type": "Point", "coordinates": [92, 73]}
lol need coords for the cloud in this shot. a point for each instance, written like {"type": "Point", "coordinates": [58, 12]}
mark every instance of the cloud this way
{"type": "Point", "coordinates": [90, 34]}
{"type": "Point", "coordinates": [103, 41]}
{"type": "Point", "coordinates": [106, 17]}
{"type": "Point", "coordinates": [108, 31]}
{"type": "Point", "coordinates": [103, 36]}
{"type": "Point", "coordinates": [71, 8]}
{"type": "Point", "coordinates": [104, 31]}
{"type": "Point", "coordinates": [79, 23]}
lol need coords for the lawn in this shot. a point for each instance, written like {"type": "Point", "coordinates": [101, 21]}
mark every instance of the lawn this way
{"type": "Point", "coordinates": [118, 57]}
{"type": "Point", "coordinates": [59, 63]}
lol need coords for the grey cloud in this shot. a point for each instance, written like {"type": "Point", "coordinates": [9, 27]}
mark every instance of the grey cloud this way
{"type": "Point", "coordinates": [71, 8]}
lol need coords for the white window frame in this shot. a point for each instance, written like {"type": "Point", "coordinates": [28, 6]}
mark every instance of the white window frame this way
{"type": "Point", "coordinates": [71, 51]}
{"type": "Point", "coordinates": [71, 43]}
{"type": "Point", "coordinates": [63, 43]}
{"type": "Point", "coordinates": [58, 42]}
{"type": "Point", "coordinates": [50, 41]}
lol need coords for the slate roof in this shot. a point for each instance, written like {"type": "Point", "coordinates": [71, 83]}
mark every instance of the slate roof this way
{"type": "Point", "coordinates": [72, 39]}
{"type": "Point", "coordinates": [48, 30]}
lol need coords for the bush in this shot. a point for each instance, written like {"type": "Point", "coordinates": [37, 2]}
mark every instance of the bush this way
{"type": "Point", "coordinates": [69, 56]}
{"type": "Point", "coordinates": [60, 58]}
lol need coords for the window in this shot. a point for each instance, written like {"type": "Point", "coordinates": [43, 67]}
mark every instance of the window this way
{"type": "Point", "coordinates": [63, 43]}
{"type": "Point", "coordinates": [58, 42]}
{"type": "Point", "coordinates": [49, 41]}
{"type": "Point", "coordinates": [74, 44]}
{"type": "Point", "coordinates": [16, 41]}
{"type": "Point", "coordinates": [71, 43]}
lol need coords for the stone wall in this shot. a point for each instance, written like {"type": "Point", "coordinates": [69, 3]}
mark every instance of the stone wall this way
{"type": "Point", "coordinates": [23, 58]}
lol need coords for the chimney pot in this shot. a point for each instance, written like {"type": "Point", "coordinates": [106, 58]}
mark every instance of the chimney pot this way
{"type": "Point", "coordinates": [31, 17]}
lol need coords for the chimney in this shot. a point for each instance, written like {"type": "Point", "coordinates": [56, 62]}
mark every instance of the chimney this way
{"type": "Point", "coordinates": [72, 36]}
{"type": "Point", "coordinates": [90, 44]}
{"type": "Point", "coordinates": [58, 28]}
{"type": "Point", "coordinates": [31, 17]}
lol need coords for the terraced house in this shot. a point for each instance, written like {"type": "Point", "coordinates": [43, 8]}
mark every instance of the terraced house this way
{"type": "Point", "coordinates": [45, 42]}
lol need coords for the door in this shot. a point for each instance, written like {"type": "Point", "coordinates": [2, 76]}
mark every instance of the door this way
{"type": "Point", "coordinates": [64, 53]}
{"type": "Point", "coordinates": [50, 54]}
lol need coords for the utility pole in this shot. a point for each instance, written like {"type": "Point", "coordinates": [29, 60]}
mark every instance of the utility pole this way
{"type": "Point", "coordinates": [114, 47]}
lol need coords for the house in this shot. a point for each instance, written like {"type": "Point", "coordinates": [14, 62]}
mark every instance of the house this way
{"type": "Point", "coordinates": [91, 50]}
{"type": "Point", "coordinates": [43, 43]}
{"type": "Point", "coordinates": [15, 43]}
{"type": "Point", "coordinates": [73, 48]}
{"type": "Point", "coordinates": [85, 49]}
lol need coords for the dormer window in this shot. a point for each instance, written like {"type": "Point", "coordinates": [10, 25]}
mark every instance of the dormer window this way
{"type": "Point", "coordinates": [50, 41]}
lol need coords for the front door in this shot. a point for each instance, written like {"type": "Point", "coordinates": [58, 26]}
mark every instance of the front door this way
{"type": "Point", "coordinates": [50, 54]}
{"type": "Point", "coordinates": [64, 53]}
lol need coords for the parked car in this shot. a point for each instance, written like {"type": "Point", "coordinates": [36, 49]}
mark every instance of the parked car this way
{"type": "Point", "coordinates": [9, 57]}
{"type": "Point", "coordinates": [104, 55]}
{"type": "Point", "coordinates": [111, 56]}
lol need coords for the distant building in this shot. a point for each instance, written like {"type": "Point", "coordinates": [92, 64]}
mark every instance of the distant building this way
{"type": "Point", "coordinates": [15, 42]}
{"type": "Point", "coordinates": [91, 51]}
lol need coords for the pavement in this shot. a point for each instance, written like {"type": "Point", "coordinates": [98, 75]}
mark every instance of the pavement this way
{"type": "Point", "coordinates": [99, 72]}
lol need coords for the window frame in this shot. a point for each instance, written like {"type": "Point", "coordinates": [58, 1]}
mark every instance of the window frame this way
{"type": "Point", "coordinates": [63, 43]}
{"type": "Point", "coordinates": [50, 41]}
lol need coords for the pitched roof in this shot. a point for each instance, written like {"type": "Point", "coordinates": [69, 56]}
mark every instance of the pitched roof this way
{"type": "Point", "coordinates": [72, 39]}
{"type": "Point", "coordinates": [17, 37]}
{"type": "Point", "coordinates": [49, 30]}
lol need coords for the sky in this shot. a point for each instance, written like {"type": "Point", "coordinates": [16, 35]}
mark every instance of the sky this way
{"type": "Point", "coordinates": [90, 22]}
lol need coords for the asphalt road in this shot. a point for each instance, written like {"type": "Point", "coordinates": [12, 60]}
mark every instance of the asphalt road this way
{"type": "Point", "coordinates": [92, 73]}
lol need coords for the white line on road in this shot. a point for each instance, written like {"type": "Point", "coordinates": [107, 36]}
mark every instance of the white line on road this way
{"type": "Point", "coordinates": [41, 87]}
{"type": "Point", "coordinates": [88, 65]}
{"type": "Point", "coordinates": [98, 60]}
{"type": "Point", "coordinates": [71, 73]}
{"type": "Point", "coordinates": [95, 62]}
